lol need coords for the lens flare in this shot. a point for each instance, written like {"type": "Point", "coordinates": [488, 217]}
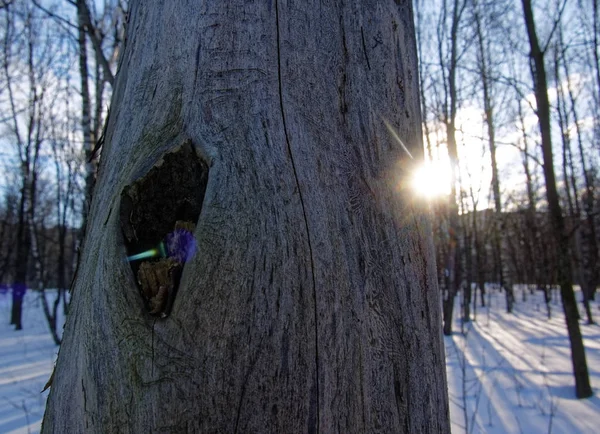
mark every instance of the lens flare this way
{"type": "Point", "coordinates": [395, 135]}
{"type": "Point", "coordinates": [432, 180]}
{"type": "Point", "coordinates": [144, 255]}
{"type": "Point", "coordinates": [151, 253]}
{"type": "Point", "coordinates": [179, 245]}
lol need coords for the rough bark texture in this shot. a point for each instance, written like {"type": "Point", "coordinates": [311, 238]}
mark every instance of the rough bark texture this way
{"type": "Point", "coordinates": [311, 304]}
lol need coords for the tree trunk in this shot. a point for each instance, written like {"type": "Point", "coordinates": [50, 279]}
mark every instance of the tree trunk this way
{"type": "Point", "coordinates": [450, 110]}
{"type": "Point", "coordinates": [596, 45]}
{"type": "Point", "coordinates": [582, 381]}
{"type": "Point", "coordinates": [51, 316]}
{"type": "Point", "coordinates": [311, 304]}
{"type": "Point", "coordinates": [588, 271]}
{"type": "Point", "coordinates": [21, 258]}
{"type": "Point", "coordinates": [499, 229]}
{"type": "Point", "coordinates": [86, 117]}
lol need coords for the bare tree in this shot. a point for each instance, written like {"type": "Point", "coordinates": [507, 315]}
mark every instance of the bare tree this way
{"type": "Point", "coordinates": [91, 119]}
{"type": "Point", "coordinates": [484, 68]}
{"type": "Point", "coordinates": [32, 44]}
{"type": "Point", "coordinates": [581, 206]}
{"type": "Point", "coordinates": [103, 26]}
{"type": "Point", "coordinates": [22, 50]}
{"type": "Point", "coordinates": [448, 54]}
{"type": "Point", "coordinates": [67, 160]}
{"type": "Point", "coordinates": [7, 235]}
{"type": "Point", "coordinates": [538, 73]}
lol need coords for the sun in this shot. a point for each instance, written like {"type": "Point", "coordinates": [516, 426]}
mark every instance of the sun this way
{"type": "Point", "coordinates": [431, 179]}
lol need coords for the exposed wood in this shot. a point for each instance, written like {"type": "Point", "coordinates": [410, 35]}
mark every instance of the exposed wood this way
{"type": "Point", "coordinates": [312, 303]}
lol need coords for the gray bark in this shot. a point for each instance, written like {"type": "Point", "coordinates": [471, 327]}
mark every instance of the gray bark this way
{"type": "Point", "coordinates": [311, 304]}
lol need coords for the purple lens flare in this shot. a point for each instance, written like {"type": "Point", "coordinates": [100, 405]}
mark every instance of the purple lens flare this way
{"type": "Point", "coordinates": [181, 245]}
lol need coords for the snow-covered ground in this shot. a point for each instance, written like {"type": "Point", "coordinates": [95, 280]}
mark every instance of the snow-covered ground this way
{"type": "Point", "coordinates": [506, 373]}
{"type": "Point", "coordinates": [512, 373]}
{"type": "Point", "coordinates": [26, 361]}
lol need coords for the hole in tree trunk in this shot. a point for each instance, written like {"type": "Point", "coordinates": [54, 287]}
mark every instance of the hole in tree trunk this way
{"type": "Point", "coordinates": [158, 214]}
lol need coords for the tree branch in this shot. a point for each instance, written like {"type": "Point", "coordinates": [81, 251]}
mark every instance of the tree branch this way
{"type": "Point", "coordinates": [554, 27]}
{"type": "Point", "coordinates": [91, 31]}
{"type": "Point", "coordinates": [53, 15]}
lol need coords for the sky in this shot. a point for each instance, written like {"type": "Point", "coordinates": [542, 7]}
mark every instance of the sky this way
{"type": "Point", "coordinates": [509, 47]}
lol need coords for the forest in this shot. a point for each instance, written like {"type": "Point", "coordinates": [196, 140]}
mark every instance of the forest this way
{"type": "Point", "coordinates": [507, 168]}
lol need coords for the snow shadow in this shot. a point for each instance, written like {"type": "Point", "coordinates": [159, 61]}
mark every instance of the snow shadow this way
{"type": "Point", "coordinates": [512, 373]}
{"type": "Point", "coordinates": [26, 361]}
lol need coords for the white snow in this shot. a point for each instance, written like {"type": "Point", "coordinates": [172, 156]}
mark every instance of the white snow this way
{"type": "Point", "coordinates": [26, 360]}
{"type": "Point", "coordinates": [512, 373]}
{"type": "Point", "coordinates": [507, 373]}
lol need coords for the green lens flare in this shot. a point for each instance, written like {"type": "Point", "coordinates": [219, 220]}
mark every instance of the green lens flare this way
{"type": "Point", "coordinates": [162, 250]}
{"type": "Point", "coordinates": [147, 254]}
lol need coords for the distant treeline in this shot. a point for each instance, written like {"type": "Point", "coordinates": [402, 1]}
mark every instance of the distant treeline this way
{"type": "Point", "coordinates": [530, 247]}
{"type": "Point", "coordinates": [55, 268]}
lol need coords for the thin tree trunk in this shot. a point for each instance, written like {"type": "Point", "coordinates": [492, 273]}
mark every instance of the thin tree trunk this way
{"type": "Point", "coordinates": [582, 381]}
{"type": "Point", "coordinates": [596, 46]}
{"type": "Point", "coordinates": [86, 120]}
{"type": "Point", "coordinates": [51, 316]}
{"type": "Point", "coordinates": [569, 178]}
{"type": "Point", "coordinates": [499, 229]}
{"type": "Point", "coordinates": [567, 160]}
{"type": "Point", "coordinates": [450, 110]}
{"type": "Point", "coordinates": [19, 287]}
{"type": "Point", "coordinates": [588, 270]}
{"type": "Point", "coordinates": [311, 303]}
